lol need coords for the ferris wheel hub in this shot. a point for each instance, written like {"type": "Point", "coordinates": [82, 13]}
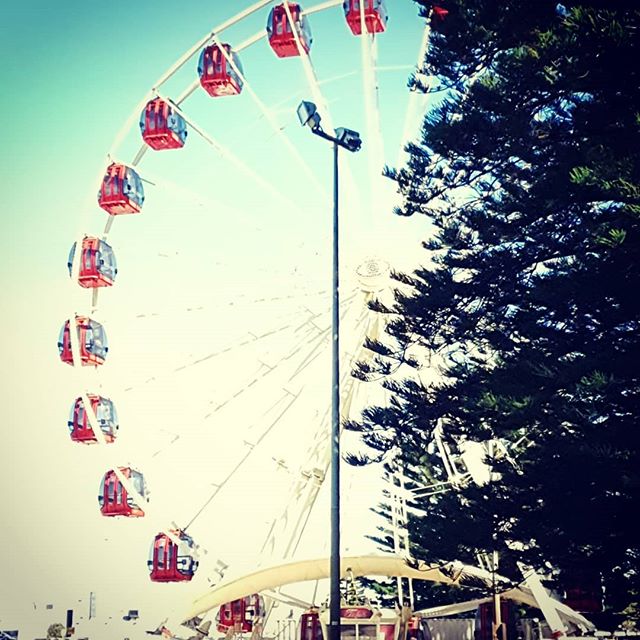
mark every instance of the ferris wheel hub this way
{"type": "Point", "coordinates": [373, 274]}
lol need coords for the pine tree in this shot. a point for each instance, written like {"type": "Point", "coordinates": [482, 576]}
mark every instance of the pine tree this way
{"type": "Point", "coordinates": [529, 169]}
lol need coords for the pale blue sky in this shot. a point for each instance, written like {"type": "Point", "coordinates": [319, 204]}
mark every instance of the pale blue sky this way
{"type": "Point", "coordinates": [73, 73]}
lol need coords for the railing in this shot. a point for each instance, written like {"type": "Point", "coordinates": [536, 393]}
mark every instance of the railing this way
{"type": "Point", "coordinates": [285, 630]}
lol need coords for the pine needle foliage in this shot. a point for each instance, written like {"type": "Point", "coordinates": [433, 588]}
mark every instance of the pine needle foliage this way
{"type": "Point", "coordinates": [528, 299]}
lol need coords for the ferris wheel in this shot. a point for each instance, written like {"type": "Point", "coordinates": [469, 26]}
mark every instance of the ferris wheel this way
{"type": "Point", "coordinates": [229, 354]}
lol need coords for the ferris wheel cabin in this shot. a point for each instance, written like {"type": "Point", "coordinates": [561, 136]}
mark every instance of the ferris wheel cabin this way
{"type": "Point", "coordinates": [438, 14]}
{"type": "Point", "coordinates": [240, 615]}
{"type": "Point", "coordinates": [162, 126]}
{"type": "Point", "coordinates": [310, 627]}
{"type": "Point", "coordinates": [115, 500]}
{"type": "Point", "coordinates": [218, 77]}
{"type": "Point", "coordinates": [92, 342]}
{"type": "Point", "coordinates": [79, 427]}
{"type": "Point", "coordinates": [282, 38]}
{"type": "Point", "coordinates": [121, 190]}
{"type": "Point", "coordinates": [97, 263]}
{"type": "Point", "coordinates": [372, 12]}
{"type": "Point", "coordinates": [172, 558]}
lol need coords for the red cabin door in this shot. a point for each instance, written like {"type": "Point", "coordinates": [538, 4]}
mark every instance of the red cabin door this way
{"type": "Point", "coordinates": [110, 492]}
{"type": "Point", "coordinates": [162, 562]}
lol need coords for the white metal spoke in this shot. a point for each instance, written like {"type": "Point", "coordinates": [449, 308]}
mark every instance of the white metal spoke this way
{"type": "Point", "coordinates": [245, 386]}
{"type": "Point", "coordinates": [273, 123]}
{"type": "Point", "coordinates": [323, 105]}
{"type": "Point", "coordinates": [417, 100]}
{"type": "Point", "coordinates": [322, 293]}
{"type": "Point", "coordinates": [368, 50]}
{"type": "Point", "coordinates": [251, 340]}
{"type": "Point", "coordinates": [265, 433]}
{"type": "Point", "coordinates": [230, 156]}
{"type": "Point", "coordinates": [305, 491]}
{"type": "Point", "coordinates": [137, 159]}
{"type": "Point", "coordinates": [315, 352]}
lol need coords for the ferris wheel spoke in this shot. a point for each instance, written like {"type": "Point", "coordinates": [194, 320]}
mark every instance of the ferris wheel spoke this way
{"type": "Point", "coordinates": [253, 339]}
{"type": "Point", "coordinates": [314, 87]}
{"type": "Point", "coordinates": [315, 351]}
{"type": "Point", "coordinates": [231, 474]}
{"type": "Point", "coordinates": [310, 479]}
{"type": "Point", "coordinates": [137, 159]}
{"type": "Point", "coordinates": [240, 438]}
{"type": "Point", "coordinates": [307, 65]}
{"type": "Point", "coordinates": [264, 371]}
{"type": "Point", "coordinates": [416, 103]}
{"type": "Point", "coordinates": [250, 446]}
{"type": "Point", "coordinates": [345, 407]}
{"type": "Point", "coordinates": [319, 293]}
{"type": "Point", "coordinates": [347, 382]}
{"type": "Point", "coordinates": [197, 199]}
{"type": "Point", "coordinates": [128, 125]}
{"type": "Point", "coordinates": [230, 156]}
{"type": "Point", "coordinates": [319, 341]}
{"type": "Point", "coordinates": [273, 123]}
{"type": "Point", "coordinates": [368, 49]}
{"type": "Point", "coordinates": [107, 227]}
{"type": "Point", "coordinates": [305, 491]}
{"type": "Point", "coordinates": [286, 101]}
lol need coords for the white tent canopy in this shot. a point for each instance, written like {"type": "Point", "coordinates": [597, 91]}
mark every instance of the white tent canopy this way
{"type": "Point", "coordinates": [523, 596]}
{"type": "Point", "coordinates": [389, 566]}
{"type": "Point", "coordinates": [316, 569]}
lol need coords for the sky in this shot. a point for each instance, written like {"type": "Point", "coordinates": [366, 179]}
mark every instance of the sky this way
{"type": "Point", "coordinates": [214, 261]}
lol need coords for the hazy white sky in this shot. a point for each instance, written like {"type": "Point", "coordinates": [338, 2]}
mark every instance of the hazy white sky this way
{"type": "Point", "coordinates": [213, 259]}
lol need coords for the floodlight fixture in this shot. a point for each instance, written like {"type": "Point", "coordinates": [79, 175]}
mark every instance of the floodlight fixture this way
{"type": "Point", "coordinates": [345, 138]}
{"type": "Point", "coordinates": [348, 139]}
{"type": "Point", "coordinates": [308, 114]}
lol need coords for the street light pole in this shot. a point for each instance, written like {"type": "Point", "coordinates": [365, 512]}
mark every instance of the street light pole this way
{"type": "Point", "coordinates": [334, 569]}
{"type": "Point", "coordinates": [350, 140]}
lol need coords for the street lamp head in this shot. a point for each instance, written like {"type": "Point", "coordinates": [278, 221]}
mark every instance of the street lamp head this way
{"type": "Point", "coordinates": [348, 139]}
{"type": "Point", "coordinates": [308, 114]}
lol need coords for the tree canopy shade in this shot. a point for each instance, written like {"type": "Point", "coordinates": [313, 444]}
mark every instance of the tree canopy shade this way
{"type": "Point", "coordinates": [528, 301]}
